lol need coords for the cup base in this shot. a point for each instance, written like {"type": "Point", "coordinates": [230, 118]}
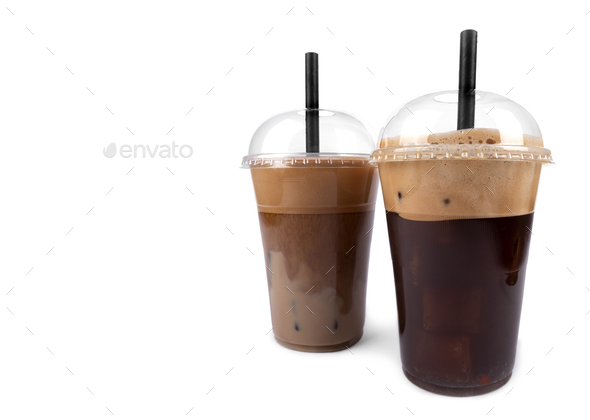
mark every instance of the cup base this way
{"type": "Point", "coordinates": [456, 391]}
{"type": "Point", "coordinates": [320, 349]}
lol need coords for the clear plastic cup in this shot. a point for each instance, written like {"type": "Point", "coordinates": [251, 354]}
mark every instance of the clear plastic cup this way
{"type": "Point", "coordinates": [459, 206]}
{"type": "Point", "coordinates": [316, 215]}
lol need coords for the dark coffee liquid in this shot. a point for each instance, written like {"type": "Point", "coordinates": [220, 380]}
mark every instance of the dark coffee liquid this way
{"type": "Point", "coordinates": [317, 276]}
{"type": "Point", "coordinates": [459, 287]}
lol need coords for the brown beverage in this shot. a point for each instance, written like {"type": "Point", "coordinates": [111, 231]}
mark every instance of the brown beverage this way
{"type": "Point", "coordinates": [459, 290]}
{"type": "Point", "coordinates": [459, 231]}
{"type": "Point", "coordinates": [317, 276]}
{"type": "Point", "coordinates": [316, 225]}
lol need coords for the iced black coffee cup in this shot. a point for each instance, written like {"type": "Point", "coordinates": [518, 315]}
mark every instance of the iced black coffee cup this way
{"type": "Point", "coordinates": [459, 207]}
{"type": "Point", "coordinates": [315, 190]}
{"type": "Point", "coordinates": [459, 172]}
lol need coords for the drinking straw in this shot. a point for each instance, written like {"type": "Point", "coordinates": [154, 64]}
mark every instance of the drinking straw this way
{"type": "Point", "coordinates": [312, 116]}
{"type": "Point", "coordinates": [467, 65]}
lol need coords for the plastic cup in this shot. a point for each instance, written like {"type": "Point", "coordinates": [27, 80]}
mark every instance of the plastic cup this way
{"type": "Point", "coordinates": [459, 207]}
{"type": "Point", "coordinates": [316, 215]}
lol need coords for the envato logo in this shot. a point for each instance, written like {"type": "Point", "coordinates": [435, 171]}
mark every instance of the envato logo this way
{"type": "Point", "coordinates": [127, 151]}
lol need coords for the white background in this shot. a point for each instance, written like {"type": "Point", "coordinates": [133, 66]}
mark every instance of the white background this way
{"type": "Point", "coordinates": [152, 306]}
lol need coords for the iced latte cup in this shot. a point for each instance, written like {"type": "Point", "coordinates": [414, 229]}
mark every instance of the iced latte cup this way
{"type": "Point", "coordinates": [315, 191]}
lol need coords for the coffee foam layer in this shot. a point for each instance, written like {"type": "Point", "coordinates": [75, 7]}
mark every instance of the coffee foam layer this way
{"type": "Point", "coordinates": [488, 136]}
{"type": "Point", "coordinates": [305, 190]}
{"type": "Point", "coordinates": [440, 189]}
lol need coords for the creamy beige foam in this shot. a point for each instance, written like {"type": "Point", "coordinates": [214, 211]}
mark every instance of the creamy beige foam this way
{"type": "Point", "coordinates": [437, 189]}
{"type": "Point", "coordinates": [489, 136]}
{"type": "Point", "coordinates": [315, 190]}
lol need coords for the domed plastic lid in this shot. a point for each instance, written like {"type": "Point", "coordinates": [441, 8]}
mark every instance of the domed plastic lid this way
{"type": "Point", "coordinates": [426, 128]}
{"type": "Point", "coordinates": [343, 141]}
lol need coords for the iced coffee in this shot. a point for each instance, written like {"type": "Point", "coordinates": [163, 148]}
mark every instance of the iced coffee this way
{"type": "Point", "coordinates": [459, 208]}
{"type": "Point", "coordinates": [315, 190]}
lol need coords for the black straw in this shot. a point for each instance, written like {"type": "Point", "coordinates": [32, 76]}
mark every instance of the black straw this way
{"type": "Point", "coordinates": [467, 66]}
{"type": "Point", "coordinates": [312, 115]}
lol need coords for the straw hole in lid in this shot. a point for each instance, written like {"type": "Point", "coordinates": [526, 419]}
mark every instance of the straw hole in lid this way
{"type": "Point", "coordinates": [450, 98]}
{"type": "Point", "coordinates": [322, 113]}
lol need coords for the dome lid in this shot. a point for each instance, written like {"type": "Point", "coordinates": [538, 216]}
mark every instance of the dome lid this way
{"type": "Point", "coordinates": [426, 128]}
{"type": "Point", "coordinates": [281, 140]}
